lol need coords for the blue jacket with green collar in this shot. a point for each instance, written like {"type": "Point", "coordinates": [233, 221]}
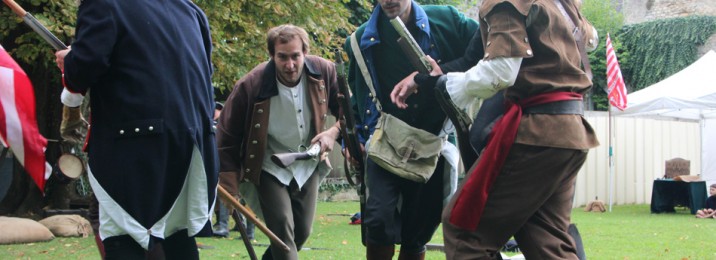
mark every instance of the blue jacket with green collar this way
{"type": "Point", "coordinates": [441, 31]}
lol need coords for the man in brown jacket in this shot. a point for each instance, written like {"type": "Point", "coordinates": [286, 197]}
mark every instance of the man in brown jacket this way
{"type": "Point", "coordinates": [281, 106]}
{"type": "Point", "coordinates": [533, 52]}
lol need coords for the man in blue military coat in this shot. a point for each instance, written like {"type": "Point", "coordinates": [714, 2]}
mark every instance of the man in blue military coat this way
{"type": "Point", "coordinates": [151, 145]}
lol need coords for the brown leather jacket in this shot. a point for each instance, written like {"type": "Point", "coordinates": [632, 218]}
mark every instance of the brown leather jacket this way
{"type": "Point", "coordinates": [538, 32]}
{"type": "Point", "coordinates": [243, 126]}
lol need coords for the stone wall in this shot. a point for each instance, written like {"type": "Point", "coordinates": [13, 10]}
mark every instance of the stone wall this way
{"type": "Point", "coordinates": [638, 11]}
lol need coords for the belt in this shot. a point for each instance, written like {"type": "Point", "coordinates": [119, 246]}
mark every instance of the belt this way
{"type": "Point", "coordinates": [566, 107]}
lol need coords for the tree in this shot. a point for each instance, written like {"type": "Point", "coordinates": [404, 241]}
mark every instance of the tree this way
{"type": "Point", "coordinates": [606, 19]}
{"type": "Point", "coordinates": [239, 27]}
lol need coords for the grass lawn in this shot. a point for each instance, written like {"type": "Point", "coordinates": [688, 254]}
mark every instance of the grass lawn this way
{"type": "Point", "coordinates": [628, 232]}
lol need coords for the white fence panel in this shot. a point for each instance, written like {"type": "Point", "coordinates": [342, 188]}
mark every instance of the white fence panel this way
{"type": "Point", "coordinates": [640, 148]}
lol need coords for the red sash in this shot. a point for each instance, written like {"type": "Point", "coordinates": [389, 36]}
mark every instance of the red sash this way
{"type": "Point", "coordinates": [470, 204]}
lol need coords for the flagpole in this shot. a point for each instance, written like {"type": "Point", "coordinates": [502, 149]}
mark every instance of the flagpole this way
{"type": "Point", "coordinates": [611, 158]}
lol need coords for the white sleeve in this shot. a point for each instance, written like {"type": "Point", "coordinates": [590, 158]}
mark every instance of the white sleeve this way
{"type": "Point", "coordinates": [71, 99]}
{"type": "Point", "coordinates": [483, 80]}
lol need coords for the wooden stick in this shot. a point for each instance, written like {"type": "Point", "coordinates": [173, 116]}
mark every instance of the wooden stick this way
{"type": "Point", "coordinates": [250, 216]}
{"type": "Point", "coordinates": [15, 7]}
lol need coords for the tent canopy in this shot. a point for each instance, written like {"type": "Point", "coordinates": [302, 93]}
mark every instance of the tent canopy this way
{"type": "Point", "coordinates": [689, 94]}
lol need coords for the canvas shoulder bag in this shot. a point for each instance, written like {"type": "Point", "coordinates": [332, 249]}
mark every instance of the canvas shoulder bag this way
{"type": "Point", "coordinates": [406, 151]}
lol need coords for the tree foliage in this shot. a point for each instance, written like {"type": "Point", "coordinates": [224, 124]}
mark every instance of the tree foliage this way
{"type": "Point", "coordinates": [606, 19]}
{"type": "Point", "coordinates": [239, 29]}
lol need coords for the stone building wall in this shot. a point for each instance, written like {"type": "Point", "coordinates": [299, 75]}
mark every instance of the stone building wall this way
{"type": "Point", "coordinates": [638, 11]}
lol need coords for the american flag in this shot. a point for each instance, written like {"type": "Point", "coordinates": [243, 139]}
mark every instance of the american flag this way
{"type": "Point", "coordinates": [617, 92]}
{"type": "Point", "coordinates": [18, 125]}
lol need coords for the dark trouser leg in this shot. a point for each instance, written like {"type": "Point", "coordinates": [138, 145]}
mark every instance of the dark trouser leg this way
{"type": "Point", "coordinates": [531, 199]}
{"type": "Point", "coordinates": [288, 212]}
{"type": "Point", "coordinates": [420, 214]}
{"type": "Point", "coordinates": [381, 217]}
{"type": "Point", "coordinates": [122, 248]}
{"type": "Point", "coordinates": [180, 246]}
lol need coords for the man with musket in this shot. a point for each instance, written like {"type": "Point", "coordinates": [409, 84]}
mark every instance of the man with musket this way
{"type": "Point", "coordinates": [535, 51]}
{"type": "Point", "coordinates": [281, 106]}
{"type": "Point", "coordinates": [151, 148]}
{"type": "Point", "coordinates": [399, 210]}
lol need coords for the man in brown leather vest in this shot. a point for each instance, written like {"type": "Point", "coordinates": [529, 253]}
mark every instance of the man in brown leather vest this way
{"type": "Point", "coordinates": [532, 52]}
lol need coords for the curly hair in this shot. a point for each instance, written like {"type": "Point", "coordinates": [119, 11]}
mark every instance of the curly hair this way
{"type": "Point", "coordinates": [284, 34]}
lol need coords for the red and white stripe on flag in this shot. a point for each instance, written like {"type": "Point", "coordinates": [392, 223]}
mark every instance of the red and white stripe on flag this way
{"type": "Point", "coordinates": [18, 124]}
{"type": "Point", "coordinates": [616, 88]}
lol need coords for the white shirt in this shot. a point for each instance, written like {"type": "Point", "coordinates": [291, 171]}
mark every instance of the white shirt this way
{"type": "Point", "coordinates": [290, 127]}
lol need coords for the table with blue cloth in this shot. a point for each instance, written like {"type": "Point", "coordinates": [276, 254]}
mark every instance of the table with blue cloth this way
{"type": "Point", "coordinates": [668, 193]}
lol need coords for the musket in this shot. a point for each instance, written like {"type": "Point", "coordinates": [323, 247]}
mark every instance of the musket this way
{"type": "Point", "coordinates": [459, 118]}
{"type": "Point", "coordinates": [50, 38]}
{"type": "Point", "coordinates": [462, 123]}
{"type": "Point", "coordinates": [410, 47]}
{"type": "Point", "coordinates": [283, 160]}
{"type": "Point", "coordinates": [347, 121]}
{"type": "Point", "coordinates": [350, 138]}
{"type": "Point", "coordinates": [36, 25]}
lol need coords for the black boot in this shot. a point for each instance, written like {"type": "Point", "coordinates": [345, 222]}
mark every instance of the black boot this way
{"type": "Point", "coordinates": [378, 252]}
{"type": "Point", "coordinates": [405, 255]}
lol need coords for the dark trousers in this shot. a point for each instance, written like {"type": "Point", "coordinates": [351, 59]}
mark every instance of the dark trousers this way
{"type": "Point", "coordinates": [411, 224]}
{"type": "Point", "coordinates": [177, 246]}
{"type": "Point", "coordinates": [531, 199]}
{"type": "Point", "coordinates": [288, 212]}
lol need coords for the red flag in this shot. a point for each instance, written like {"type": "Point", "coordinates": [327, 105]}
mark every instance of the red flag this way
{"type": "Point", "coordinates": [617, 92]}
{"type": "Point", "coordinates": [18, 125]}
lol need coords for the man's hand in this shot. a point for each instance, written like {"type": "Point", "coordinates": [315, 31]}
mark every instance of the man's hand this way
{"type": "Point", "coordinates": [60, 58]}
{"type": "Point", "coordinates": [327, 138]}
{"type": "Point", "coordinates": [72, 127]}
{"type": "Point", "coordinates": [403, 90]}
{"type": "Point", "coordinates": [407, 86]}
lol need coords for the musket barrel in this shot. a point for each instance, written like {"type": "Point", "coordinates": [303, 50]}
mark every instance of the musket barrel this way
{"type": "Point", "coordinates": [36, 26]}
{"type": "Point", "coordinates": [43, 32]}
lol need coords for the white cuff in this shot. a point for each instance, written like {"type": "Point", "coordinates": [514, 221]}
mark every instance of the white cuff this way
{"type": "Point", "coordinates": [483, 80]}
{"type": "Point", "coordinates": [71, 99]}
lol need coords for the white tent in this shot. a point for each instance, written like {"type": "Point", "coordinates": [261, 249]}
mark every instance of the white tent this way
{"type": "Point", "coordinates": [690, 94]}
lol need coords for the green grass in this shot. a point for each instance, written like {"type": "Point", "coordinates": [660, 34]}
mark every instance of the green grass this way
{"type": "Point", "coordinates": [628, 232]}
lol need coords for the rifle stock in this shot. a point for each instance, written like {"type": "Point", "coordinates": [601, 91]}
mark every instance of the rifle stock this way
{"type": "Point", "coordinates": [410, 47]}
{"type": "Point", "coordinates": [284, 160]}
